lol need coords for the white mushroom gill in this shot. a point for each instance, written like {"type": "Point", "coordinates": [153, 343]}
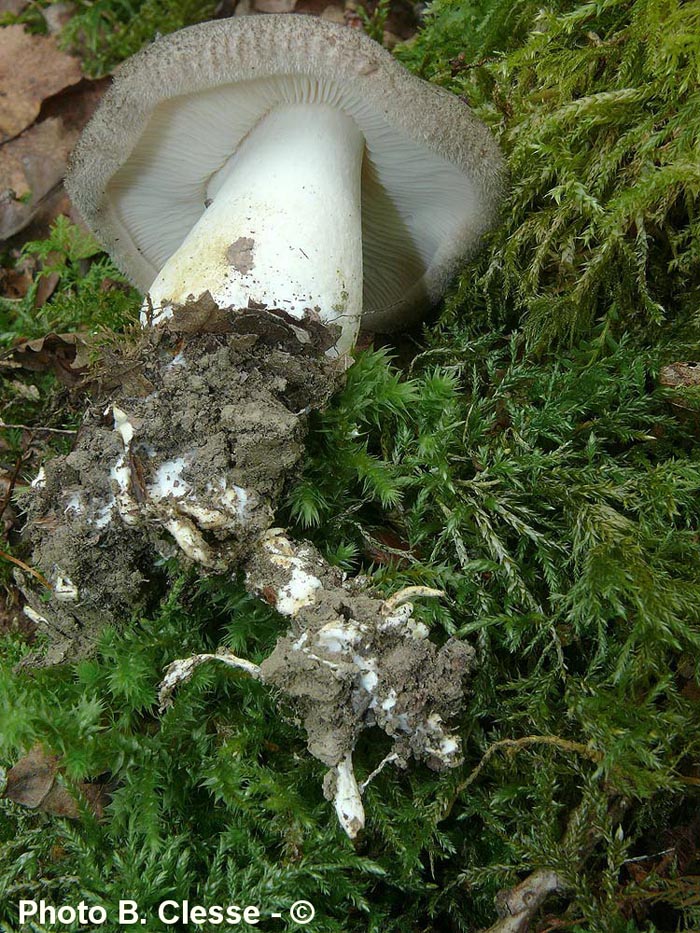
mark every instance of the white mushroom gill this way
{"type": "Point", "coordinates": [284, 223]}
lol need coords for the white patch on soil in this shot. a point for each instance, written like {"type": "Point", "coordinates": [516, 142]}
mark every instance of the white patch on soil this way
{"type": "Point", "coordinates": [39, 481]}
{"type": "Point", "coordinates": [65, 590]}
{"type": "Point", "coordinates": [299, 592]}
{"type": "Point", "coordinates": [168, 480]}
{"type": "Point", "coordinates": [336, 637]}
{"type": "Point", "coordinates": [301, 587]}
{"type": "Point", "coordinates": [104, 514]}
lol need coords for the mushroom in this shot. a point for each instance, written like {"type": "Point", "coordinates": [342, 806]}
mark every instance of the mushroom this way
{"type": "Point", "coordinates": [289, 163]}
{"type": "Point", "coordinates": [290, 173]}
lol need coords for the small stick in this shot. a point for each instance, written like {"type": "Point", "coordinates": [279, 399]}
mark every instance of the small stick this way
{"type": "Point", "coordinates": [20, 563]}
{"type": "Point", "coordinates": [34, 427]}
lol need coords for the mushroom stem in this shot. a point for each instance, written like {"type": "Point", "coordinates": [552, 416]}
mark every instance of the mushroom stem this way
{"type": "Point", "coordinates": [283, 227]}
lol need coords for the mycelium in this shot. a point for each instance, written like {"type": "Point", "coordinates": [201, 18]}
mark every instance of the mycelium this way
{"type": "Point", "coordinates": [350, 661]}
{"type": "Point", "coordinates": [272, 184]}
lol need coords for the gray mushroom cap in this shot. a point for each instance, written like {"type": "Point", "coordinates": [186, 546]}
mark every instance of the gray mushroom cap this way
{"type": "Point", "coordinates": [148, 161]}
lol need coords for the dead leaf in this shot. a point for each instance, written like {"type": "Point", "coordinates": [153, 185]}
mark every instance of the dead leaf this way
{"type": "Point", "coordinates": [31, 166]}
{"type": "Point", "coordinates": [334, 13]}
{"type": "Point", "coordinates": [32, 68]}
{"type": "Point", "coordinates": [15, 281]}
{"type": "Point", "coordinates": [311, 7]}
{"type": "Point", "coordinates": [66, 355]}
{"type": "Point", "coordinates": [33, 782]}
{"type": "Point", "coordinates": [46, 288]}
{"type": "Point", "coordinates": [75, 104]}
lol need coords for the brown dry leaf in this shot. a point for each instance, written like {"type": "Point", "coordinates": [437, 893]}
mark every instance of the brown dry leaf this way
{"type": "Point", "coordinates": [202, 315]}
{"type": "Point", "coordinates": [33, 783]}
{"type": "Point", "coordinates": [31, 166]}
{"type": "Point", "coordinates": [31, 69]}
{"type": "Point", "coordinates": [334, 13]}
{"type": "Point", "coordinates": [311, 7]}
{"type": "Point", "coordinates": [77, 103]}
{"type": "Point", "coordinates": [46, 288]}
{"type": "Point", "coordinates": [15, 281]}
{"type": "Point", "coordinates": [66, 355]}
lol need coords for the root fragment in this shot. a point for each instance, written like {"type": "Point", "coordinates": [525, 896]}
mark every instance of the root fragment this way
{"type": "Point", "coordinates": [180, 671]}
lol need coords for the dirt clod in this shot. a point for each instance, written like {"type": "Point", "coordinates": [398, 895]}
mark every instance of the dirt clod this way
{"type": "Point", "coordinates": [187, 450]}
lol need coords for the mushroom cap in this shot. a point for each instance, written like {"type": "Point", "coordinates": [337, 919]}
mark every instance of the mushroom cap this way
{"type": "Point", "coordinates": [151, 156]}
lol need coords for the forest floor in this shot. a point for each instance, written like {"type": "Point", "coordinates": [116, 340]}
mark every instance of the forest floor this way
{"type": "Point", "coordinates": [532, 453]}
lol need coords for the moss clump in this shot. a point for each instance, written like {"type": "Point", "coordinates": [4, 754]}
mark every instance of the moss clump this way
{"type": "Point", "coordinates": [598, 111]}
{"type": "Point", "coordinates": [554, 496]}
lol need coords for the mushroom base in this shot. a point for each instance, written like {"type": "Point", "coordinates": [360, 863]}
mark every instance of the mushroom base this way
{"type": "Point", "coordinates": [160, 469]}
{"type": "Point", "coordinates": [350, 661]}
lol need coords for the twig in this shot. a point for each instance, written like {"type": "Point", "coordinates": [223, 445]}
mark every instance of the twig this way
{"type": "Point", "coordinates": [566, 744]}
{"type": "Point", "coordinates": [643, 858]}
{"type": "Point", "coordinates": [20, 563]}
{"type": "Point", "coordinates": [34, 427]}
{"type": "Point", "coordinates": [518, 905]}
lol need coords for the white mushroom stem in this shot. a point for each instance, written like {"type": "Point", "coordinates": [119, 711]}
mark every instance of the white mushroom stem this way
{"type": "Point", "coordinates": [283, 227]}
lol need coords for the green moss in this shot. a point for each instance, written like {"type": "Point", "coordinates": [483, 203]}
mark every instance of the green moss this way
{"type": "Point", "coordinates": [597, 107]}
{"type": "Point", "coordinates": [553, 495]}
{"type": "Point", "coordinates": [105, 32]}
